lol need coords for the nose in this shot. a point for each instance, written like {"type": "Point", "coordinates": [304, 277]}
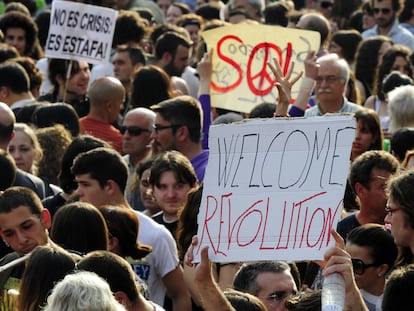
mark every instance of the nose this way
{"type": "Point", "coordinates": [387, 219]}
{"type": "Point", "coordinates": [170, 192]}
{"type": "Point", "coordinates": [153, 135]}
{"type": "Point", "coordinates": [21, 238]}
{"type": "Point", "coordinates": [79, 192]}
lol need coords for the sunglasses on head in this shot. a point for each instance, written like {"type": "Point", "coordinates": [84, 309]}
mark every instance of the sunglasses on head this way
{"type": "Point", "coordinates": [359, 266]}
{"type": "Point", "coordinates": [383, 11]}
{"type": "Point", "coordinates": [132, 130]}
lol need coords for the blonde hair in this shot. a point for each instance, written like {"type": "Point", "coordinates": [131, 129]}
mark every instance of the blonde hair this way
{"type": "Point", "coordinates": [37, 149]}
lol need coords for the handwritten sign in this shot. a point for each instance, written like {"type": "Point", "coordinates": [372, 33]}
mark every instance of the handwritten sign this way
{"type": "Point", "coordinates": [80, 32]}
{"type": "Point", "coordinates": [241, 78]}
{"type": "Point", "coordinates": [273, 188]}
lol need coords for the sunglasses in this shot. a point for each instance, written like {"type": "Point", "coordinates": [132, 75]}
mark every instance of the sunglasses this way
{"type": "Point", "coordinates": [359, 266]}
{"type": "Point", "coordinates": [384, 11]}
{"type": "Point", "coordinates": [326, 4]}
{"type": "Point", "coordinates": [132, 130]}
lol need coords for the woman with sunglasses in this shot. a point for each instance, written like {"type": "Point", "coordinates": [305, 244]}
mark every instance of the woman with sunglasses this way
{"type": "Point", "coordinates": [373, 254]}
{"type": "Point", "coordinates": [400, 215]}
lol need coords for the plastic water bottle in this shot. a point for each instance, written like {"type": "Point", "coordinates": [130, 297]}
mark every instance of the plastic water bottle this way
{"type": "Point", "coordinates": [333, 293]}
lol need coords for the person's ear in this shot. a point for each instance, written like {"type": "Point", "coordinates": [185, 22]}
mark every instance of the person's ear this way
{"type": "Point", "coordinates": [121, 297]}
{"type": "Point", "coordinates": [4, 238]}
{"type": "Point", "coordinates": [60, 80]}
{"type": "Point", "coordinates": [113, 244]}
{"type": "Point", "coordinates": [166, 58]}
{"type": "Point", "coordinates": [382, 270]}
{"type": "Point", "coordinates": [359, 189]}
{"type": "Point", "coordinates": [111, 186]}
{"type": "Point", "coordinates": [182, 133]}
{"type": "Point", "coordinates": [46, 218]}
{"type": "Point", "coordinates": [4, 92]}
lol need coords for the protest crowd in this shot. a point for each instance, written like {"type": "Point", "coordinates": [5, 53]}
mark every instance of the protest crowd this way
{"type": "Point", "coordinates": [106, 149]}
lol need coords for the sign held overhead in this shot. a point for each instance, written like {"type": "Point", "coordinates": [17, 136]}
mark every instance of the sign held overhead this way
{"type": "Point", "coordinates": [80, 32]}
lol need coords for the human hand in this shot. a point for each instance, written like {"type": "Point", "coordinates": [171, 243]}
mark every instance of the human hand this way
{"type": "Point", "coordinates": [311, 65]}
{"type": "Point", "coordinates": [284, 86]}
{"type": "Point", "coordinates": [189, 255]}
{"type": "Point", "coordinates": [205, 66]}
{"type": "Point", "coordinates": [338, 260]}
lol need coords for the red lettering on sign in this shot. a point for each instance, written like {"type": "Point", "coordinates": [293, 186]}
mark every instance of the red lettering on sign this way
{"type": "Point", "coordinates": [223, 89]}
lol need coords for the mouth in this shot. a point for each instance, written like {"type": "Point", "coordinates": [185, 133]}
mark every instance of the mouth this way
{"type": "Point", "coordinates": [27, 249]}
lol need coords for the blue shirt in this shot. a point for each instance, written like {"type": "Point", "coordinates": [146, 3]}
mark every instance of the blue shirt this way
{"type": "Point", "coordinates": [397, 33]}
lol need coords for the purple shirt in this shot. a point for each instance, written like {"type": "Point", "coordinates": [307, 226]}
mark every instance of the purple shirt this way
{"type": "Point", "coordinates": [199, 163]}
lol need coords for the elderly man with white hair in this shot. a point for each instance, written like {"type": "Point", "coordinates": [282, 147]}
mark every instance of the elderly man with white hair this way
{"type": "Point", "coordinates": [330, 87]}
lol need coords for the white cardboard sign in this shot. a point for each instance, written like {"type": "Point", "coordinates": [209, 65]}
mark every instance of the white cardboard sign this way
{"type": "Point", "coordinates": [80, 32]}
{"type": "Point", "coordinates": [273, 188]}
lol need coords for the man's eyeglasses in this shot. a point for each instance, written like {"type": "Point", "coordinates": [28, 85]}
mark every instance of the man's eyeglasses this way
{"type": "Point", "coordinates": [132, 130]}
{"type": "Point", "coordinates": [390, 210]}
{"type": "Point", "coordinates": [384, 11]}
{"type": "Point", "coordinates": [158, 127]}
{"type": "Point", "coordinates": [359, 266]}
{"type": "Point", "coordinates": [328, 79]}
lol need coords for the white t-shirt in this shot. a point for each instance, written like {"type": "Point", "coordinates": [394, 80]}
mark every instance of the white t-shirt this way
{"type": "Point", "coordinates": [373, 302]}
{"type": "Point", "coordinates": [162, 260]}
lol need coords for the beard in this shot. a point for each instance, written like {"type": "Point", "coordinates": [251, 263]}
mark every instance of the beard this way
{"type": "Point", "coordinates": [172, 70]}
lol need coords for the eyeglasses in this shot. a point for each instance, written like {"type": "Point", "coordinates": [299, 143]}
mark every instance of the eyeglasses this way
{"type": "Point", "coordinates": [390, 210]}
{"type": "Point", "coordinates": [328, 79]}
{"type": "Point", "coordinates": [384, 11]}
{"type": "Point", "coordinates": [359, 266]}
{"type": "Point", "coordinates": [326, 4]}
{"type": "Point", "coordinates": [158, 127]}
{"type": "Point", "coordinates": [132, 130]}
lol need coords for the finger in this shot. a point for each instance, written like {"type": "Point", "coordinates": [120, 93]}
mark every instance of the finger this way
{"type": "Point", "coordinates": [338, 239]}
{"type": "Point", "coordinates": [275, 73]}
{"type": "Point", "coordinates": [297, 78]}
{"type": "Point", "coordinates": [277, 66]}
{"type": "Point", "coordinates": [290, 70]}
{"type": "Point", "coordinates": [310, 55]}
{"type": "Point", "coordinates": [194, 240]}
{"type": "Point", "coordinates": [204, 255]}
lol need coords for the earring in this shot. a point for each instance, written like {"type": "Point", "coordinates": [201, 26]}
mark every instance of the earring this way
{"type": "Point", "coordinates": [6, 243]}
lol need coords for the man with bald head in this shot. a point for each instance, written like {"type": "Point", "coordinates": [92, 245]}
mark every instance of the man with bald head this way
{"type": "Point", "coordinates": [317, 22]}
{"type": "Point", "coordinates": [7, 120]}
{"type": "Point", "coordinates": [136, 144]}
{"type": "Point", "coordinates": [106, 96]}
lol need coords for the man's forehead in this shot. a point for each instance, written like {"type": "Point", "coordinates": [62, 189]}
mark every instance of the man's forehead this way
{"type": "Point", "coordinates": [83, 177]}
{"type": "Point", "coordinates": [16, 216]}
{"type": "Point", "coordinates": [136, 119]}
{"type": "Point", "coordinates": [383, 3]}
{"type": "Point", "coordinates": [330, 66]}
{"type": "Point", "coordinates": [283, 278]}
